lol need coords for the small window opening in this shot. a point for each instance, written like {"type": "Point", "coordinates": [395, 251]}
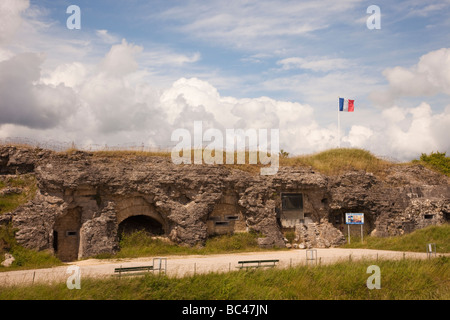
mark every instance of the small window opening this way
{"type": "Point", "coordinates": [221, 223]}
{"type": "Point", "coordinates": [292, 201]}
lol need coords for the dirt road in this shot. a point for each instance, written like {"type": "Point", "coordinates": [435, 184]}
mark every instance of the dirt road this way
{"type": "Point", "coordinates": [178, 266]}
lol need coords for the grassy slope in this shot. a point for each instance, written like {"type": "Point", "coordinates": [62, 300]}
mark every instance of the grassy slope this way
{"type": "Point", "coordinates": [333, 161]}
{"type": "Point", "coordinates": [415, 241]}
{"type": "Point", "coordinates": [404, 279]}
{"type": "Point", "coordinates": [10, 202]}
{"type": "Point", "coordinates": [338, 161]}
{"type": "Point", "coordinates": [25, 258]}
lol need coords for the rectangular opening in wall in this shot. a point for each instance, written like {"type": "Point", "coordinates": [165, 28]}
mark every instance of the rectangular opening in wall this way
{"type": "Point", "coordinates": [55, 240]}
{"type": "Point", "coordinates": [337, 220]}
{"type": "Point", "coordinates": [291, 210]}
{"type": "Point", "coordinates": [428, 216]}
{"type": "Point", "coordinates": [71, 233]}
{"type": "Point", "coordinates": [232, 218]}
{"type": "Point", "coordinates": [221, 223]}
{"type": "Point", "coordinates": [291, 201]}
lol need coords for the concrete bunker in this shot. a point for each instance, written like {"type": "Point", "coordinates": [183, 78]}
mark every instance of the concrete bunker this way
{"type": "Point", "coordinates": [66, 235]}
{"type": "Point", "coordinates": [226, 217]}
{"type": "Point", "coordinates": [290, 213]}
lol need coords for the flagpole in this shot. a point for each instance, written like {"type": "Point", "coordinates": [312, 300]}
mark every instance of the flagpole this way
{"type": "Point", "coordinates": [339, 126]}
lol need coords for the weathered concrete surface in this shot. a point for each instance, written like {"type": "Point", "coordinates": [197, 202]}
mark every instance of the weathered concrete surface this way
{"type": "Point", "coordinates": [83, 198]}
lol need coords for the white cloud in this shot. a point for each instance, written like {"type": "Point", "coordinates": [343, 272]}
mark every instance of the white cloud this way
{"type": "Point", "coordinates": [260, 25]}
{"type": "Point", "coordinates": [358, 136]}
{"type": "Point", "coordinates": [25, 101]}
{"type": "Point", "coordinates": [158, 57]}
{"type": "Point", "coordinates": [10, 17]}
{"type": "Point", "coordinates": [122, 107]}
{"type": "Point", "coordinates": [314, 64]}
{"type": "Point", "coordinates": [404, 133]}
{"type": "Point", "coordinates": [5, 54]}
{"type": "Point", "coordinates": [430, 76]}
{"type": "Point", "coordinates": [115, 104]}
{"type": "Point", "coordinates": [106, 37]}
{"type": "Point", "coordinates": [69, 74]}
{"type": "Point", "coordinates": [120, 60]}
{"type": "Point", "coordinates": [89, 96]}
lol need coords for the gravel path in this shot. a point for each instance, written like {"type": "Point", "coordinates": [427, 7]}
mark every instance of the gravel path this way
{"type": "Point", "coordinates": [178, 266]}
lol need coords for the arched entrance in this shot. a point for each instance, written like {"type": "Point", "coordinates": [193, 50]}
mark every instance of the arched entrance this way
{"type": "Point", "coordinates": [134, 214]}
{"type": "Point", "coordinates": [140, 223]}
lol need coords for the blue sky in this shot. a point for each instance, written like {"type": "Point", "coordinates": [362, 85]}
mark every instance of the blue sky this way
{"type": "Point", "coordinates": [234, 63]}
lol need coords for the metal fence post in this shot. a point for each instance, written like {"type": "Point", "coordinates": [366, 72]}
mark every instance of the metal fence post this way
{"type": "Point", "coordinates": [311, 254]}
{"type": "Point", "coordinates": [431, 249]}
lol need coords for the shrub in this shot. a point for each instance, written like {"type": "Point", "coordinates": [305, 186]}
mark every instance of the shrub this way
{"type": "Point", "coordinates": [437, 161]}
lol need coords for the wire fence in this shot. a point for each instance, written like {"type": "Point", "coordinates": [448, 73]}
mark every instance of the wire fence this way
{"type": "Point", "coordinates": [60, 146]}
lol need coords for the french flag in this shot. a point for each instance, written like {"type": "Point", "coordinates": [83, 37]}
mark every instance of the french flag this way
{"type": "Point", "coordinates": [346, 105]}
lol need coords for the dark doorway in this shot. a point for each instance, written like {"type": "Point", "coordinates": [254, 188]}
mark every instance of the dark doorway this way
{"type": "Point", "coordinates": [292, 201]}
{"type": "Point", "coordinates": [291, 210]}
{"type": "Point", "coordinates": [66, 238]}
{"type": "Point", "coordinates": [140, 223]}
{"type": "Point", "coordinates": [55, 240]}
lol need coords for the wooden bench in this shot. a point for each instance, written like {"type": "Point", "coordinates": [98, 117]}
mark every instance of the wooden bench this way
{"type": "Point", "coordinates": [159, 264]}
{"type": "Point", "coordinates": [257, 264]}
{"type": "Point", "coordinates": [133, 270]}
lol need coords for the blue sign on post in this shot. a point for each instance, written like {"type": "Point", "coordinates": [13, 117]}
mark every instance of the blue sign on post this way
{"type": "Point", "coordinates": [354, 218]}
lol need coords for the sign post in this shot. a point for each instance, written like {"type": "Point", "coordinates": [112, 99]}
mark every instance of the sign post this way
{"type": "Point", "coordinates": [354, 218]}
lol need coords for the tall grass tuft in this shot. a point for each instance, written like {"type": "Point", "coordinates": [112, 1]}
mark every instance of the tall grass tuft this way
{"type": "Point", "coordinates": [338, 161]}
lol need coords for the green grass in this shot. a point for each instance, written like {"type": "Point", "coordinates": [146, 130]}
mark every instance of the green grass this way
{"type": "Point", "coordinates": [30, 259]}
{"type": "Point", "coordinates": [333, 161]}
{"type": "Point", "coordinates": [338, 161]}
{"type": "Point", "coordinates": [403, 279]}
{"type": "Point", "coordinates": [11, 202]}
{"type": "Point", "coordinates": [415, 241]}
{"type": "Point", "coordinates": [24, 258]}
{"type": "Point", "coordinates": [140, 244]}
